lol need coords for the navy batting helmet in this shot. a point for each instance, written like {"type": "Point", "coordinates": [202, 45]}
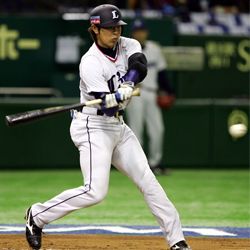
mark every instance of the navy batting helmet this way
{"type": "Point", "coordinates": [138, 24]}
{"type": "Point", "coordinates": [106, 15]}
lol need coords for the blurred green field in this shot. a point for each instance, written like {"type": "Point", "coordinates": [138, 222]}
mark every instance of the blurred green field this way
{"type": "Point", "coordinates": [202, 197]}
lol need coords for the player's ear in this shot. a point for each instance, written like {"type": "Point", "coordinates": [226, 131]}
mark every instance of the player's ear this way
{"type": "Point", "coordinates": [95, 29]}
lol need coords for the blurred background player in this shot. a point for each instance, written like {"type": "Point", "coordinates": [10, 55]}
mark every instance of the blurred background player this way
{"type": "Point", "coordinates": [156, 93]}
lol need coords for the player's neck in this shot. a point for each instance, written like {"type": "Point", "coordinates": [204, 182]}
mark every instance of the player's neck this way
{"type": "Point", "coordinates": [107, 51]}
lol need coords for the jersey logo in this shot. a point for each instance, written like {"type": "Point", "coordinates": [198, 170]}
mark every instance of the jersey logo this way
{"type": "Point", "coordinates": [115, 15]}
{"type": "Point", "coordinates": [111, 83]}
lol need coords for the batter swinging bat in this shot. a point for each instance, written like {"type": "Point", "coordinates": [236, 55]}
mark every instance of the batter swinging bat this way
{"type": "Point", "coordinates": [32, 115]}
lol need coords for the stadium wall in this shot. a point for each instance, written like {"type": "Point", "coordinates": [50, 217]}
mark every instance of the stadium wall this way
{"type": "Point", "coordinates": [196, 135]}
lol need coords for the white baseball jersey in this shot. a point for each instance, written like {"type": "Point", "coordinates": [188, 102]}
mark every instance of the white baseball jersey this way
{"type": "Point", "coordinates": [101, 73]}
{"type": "Point", "coordinates": [104, 140]}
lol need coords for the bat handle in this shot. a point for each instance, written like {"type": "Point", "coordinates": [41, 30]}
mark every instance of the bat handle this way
{"type": "Point", "coordinates": [136, 92]}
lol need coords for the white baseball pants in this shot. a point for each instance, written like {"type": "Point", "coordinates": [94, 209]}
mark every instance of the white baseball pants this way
{"type": "Point", "coordinates": [103, 141]}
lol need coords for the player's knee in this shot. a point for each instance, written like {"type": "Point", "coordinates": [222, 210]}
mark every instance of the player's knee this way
{"type": "Point", "coordinates": [159, 128]}
{"type": "Point", "coordinates": [98, 195]}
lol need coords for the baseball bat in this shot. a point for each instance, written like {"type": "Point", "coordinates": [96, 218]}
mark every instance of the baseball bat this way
{"type": "Point", "coordinates": [37, 114]}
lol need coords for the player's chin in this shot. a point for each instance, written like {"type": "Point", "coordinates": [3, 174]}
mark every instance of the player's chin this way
{"type": "Point", "coordinates": [112, 43]}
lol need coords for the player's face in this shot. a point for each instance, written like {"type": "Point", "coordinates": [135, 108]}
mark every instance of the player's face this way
{"type": "Point", "coordinates": [140, 35]}
{"type": "Point", "coordinates": [108, 37]}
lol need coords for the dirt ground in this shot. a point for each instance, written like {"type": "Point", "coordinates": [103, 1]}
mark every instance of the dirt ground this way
{"type": "Point", "coordinates": [114, 242]}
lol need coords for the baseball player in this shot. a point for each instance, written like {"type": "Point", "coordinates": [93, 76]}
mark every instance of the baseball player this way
{"type": "Point", "coordinates": [110, 70]}
{"type": "Point", "coordinates": [146, 110]}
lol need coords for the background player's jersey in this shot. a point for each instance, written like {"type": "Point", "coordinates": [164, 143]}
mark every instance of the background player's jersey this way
{"type": "Point", "coordinates": [101, 73]}
{"type": "Point", "coordinates": [156, 63]}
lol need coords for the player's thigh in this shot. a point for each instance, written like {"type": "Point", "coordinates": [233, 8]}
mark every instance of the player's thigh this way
{"type": "Point", "coordinates": [129, 158]}
{"type": "Point", "coordinates": [95, 160]}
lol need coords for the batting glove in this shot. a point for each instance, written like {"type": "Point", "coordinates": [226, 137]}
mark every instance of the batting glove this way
{"type": "Point", "coordinates": [124, 92]}
{"type": "Point", "coordinates": [110, 101]}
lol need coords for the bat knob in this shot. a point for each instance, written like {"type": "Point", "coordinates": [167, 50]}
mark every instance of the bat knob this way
{"type": "Point", "coordinates": [7, 121]}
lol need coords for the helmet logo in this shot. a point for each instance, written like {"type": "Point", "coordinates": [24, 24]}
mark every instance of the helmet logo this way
{"type": "Point", "coordinates": [115, 15]}
{"type": "Point", "coordinates": [95, 19]}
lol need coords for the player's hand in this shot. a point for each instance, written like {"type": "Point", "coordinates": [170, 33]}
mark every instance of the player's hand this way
{"type": "Point", "coordinates": [124, 92]}
{"type": "Point", "coordinates": [110, 101]}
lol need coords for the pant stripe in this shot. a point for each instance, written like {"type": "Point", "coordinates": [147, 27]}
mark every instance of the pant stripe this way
{"type": "Point", "coordinates": [90, 154]}
{"type": "Point", "coordinates": [88, 186]}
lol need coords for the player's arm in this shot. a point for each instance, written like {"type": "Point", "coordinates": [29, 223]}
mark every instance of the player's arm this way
{"type": "Point", "coordinates": [137, 68]}
{"type": "Point", "coordinates": [166, 95]}
{"type": "Point", "coordinates": [137, 71]}
{"type": "Point", "coordinates": [111, 101]}
{"type": "Point", "coordinates": [137, 62]}
{"type": "Point", "coordinates": [163, 82]}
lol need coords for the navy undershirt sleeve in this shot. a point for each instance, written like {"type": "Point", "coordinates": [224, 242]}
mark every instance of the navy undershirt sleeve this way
{"type": "Point", "coordinates": [163, 82]}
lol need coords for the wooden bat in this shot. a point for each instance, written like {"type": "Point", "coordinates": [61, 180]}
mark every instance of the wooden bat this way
{"type": "Point", "coordinates": [37, 114]}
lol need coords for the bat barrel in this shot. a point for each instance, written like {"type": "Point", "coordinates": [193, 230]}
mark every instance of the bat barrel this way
{"type": "Point", "coordinates": [33, 115]}
{"type": "Point", "coordinates": [11, 120]}
{"type": "Point", "coordinates": [15, 119]}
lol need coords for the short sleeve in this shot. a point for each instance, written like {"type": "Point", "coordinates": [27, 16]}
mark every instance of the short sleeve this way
{"type": "Point", "coordinates": [92, 74]}
{"type": "Point", "coordinates": [131, 46]}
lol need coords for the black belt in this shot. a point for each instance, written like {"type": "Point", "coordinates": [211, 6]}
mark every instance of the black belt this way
{"type": "Point", "coordinates": [118, 113]}
{"type": "Point", "coordinates": [100, 112]}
